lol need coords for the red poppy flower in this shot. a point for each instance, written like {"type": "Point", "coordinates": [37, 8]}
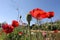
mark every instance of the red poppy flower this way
{"type": "Point", "coordinates": [38, 13]}
{"type": "Point", "coordinates": [4, 26]}
{"type": "Point", "coordinates": [15, 23]}
{"type": "Point", "coordinates": [20, 33]}
{"type": "Point", "coordinates": [7, 28]}
{"type": "Point", "coordinates": [50, 14]}
{"type": "Point", "coordinates": [41, 16]}
{"type": "Point", "coordinates": [55, 31]}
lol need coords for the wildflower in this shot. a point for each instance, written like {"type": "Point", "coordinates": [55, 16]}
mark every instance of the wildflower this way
{"type": "Point", "coordinates": [4, 26]}
{"type": "Point", "coordinates": [15, 23]}
{"type": "Point", "coordinates": [38, 13]}
{"type": "Point", "coordinates": [20, 33]}
{"type": "Point", "coordinates": [50, 14]}
{"type": "Point", "coordinates": [7, 28]}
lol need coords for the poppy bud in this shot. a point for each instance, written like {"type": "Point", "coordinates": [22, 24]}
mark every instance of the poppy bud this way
{"type": "Point", "coordinates": [29, 18]}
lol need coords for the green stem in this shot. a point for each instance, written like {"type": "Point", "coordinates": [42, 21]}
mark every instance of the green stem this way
{"type": "Point", "coordinates": [29, 30]}
{"type": "Point", "coordinates": [51, 23]}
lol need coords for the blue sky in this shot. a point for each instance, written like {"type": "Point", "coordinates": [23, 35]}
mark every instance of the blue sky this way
{"type": "Point", "coordinates": [8, 8]}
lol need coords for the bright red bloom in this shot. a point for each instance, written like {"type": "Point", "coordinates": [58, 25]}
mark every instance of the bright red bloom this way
{"type": "Point", "coordinates": [20, 33]}
{"type": "Point", "coordinates": [4, 26]}
{"type": "Point", "coordinates": [15, 23]}
{"type": "Point", "coordinates": [50, 14]}
{"type": "Point", "coordinates": [41, 16]}
{"type": "Point", "coordinates": [38, 13]}
{"type": "Point", "coordinates": [7, 28]}
{"type": "Point", "coordinates": [55, 31]}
